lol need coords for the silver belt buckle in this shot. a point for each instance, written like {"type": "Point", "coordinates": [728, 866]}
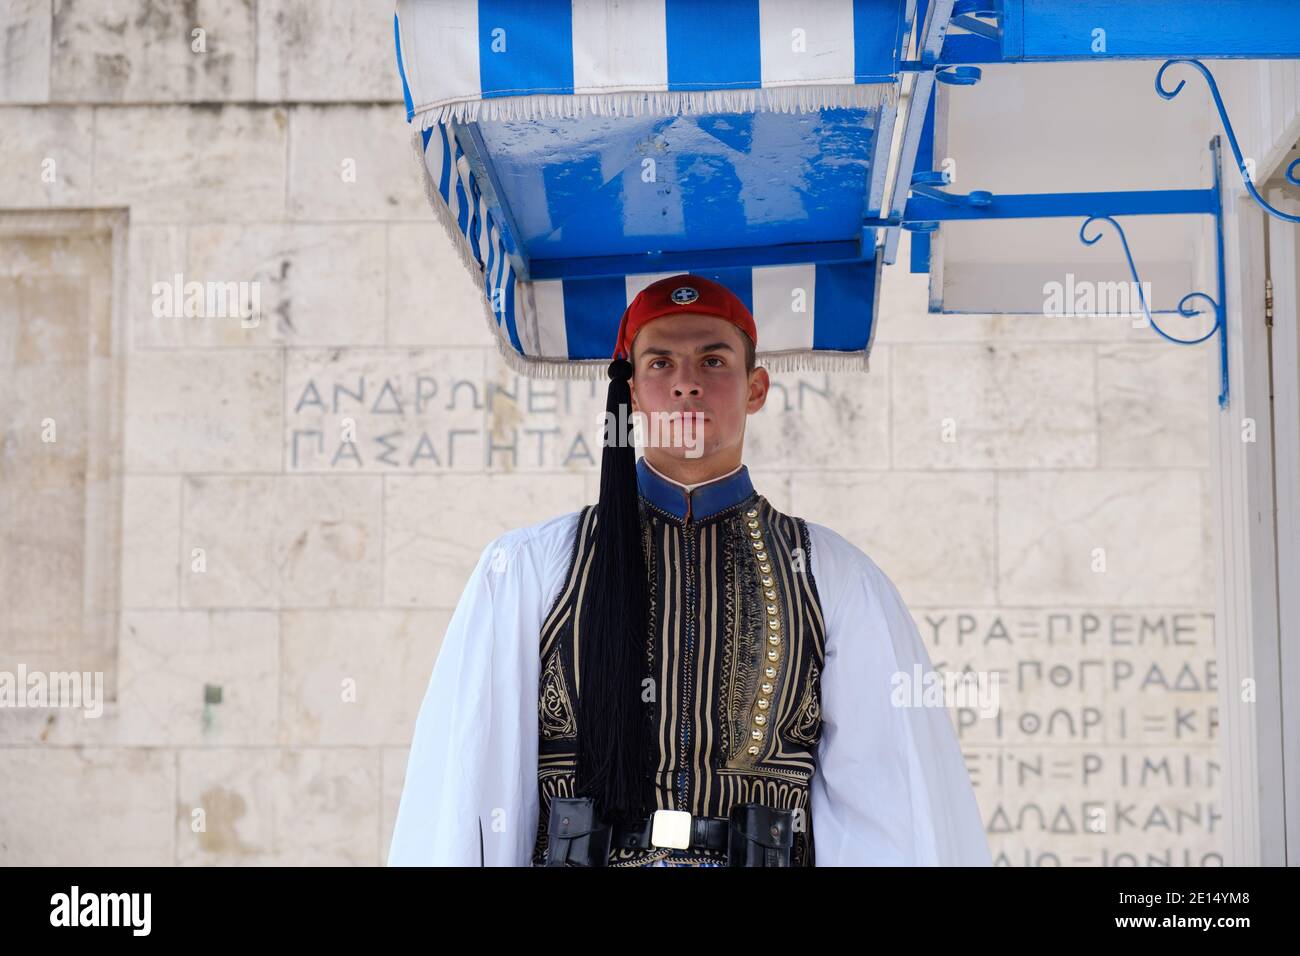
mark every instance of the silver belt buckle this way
{"type": "Point", "coordinates": [671, 828]}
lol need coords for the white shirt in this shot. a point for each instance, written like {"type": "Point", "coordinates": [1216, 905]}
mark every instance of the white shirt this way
{"type": "Point", "coordinates": [890, 788]}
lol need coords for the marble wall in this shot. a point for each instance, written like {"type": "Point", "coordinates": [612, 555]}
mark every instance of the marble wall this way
{"type": "Point", "coordinates": [1036, 487]}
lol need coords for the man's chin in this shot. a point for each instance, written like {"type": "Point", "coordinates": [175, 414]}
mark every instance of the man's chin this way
{"type": "Point", "coordinates": [683, 452]}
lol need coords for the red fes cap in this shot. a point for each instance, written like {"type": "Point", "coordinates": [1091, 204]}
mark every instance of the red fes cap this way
{"type": "Point", "coordinates": [680, 294]}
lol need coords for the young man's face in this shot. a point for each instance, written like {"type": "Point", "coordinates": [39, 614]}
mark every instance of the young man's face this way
{"type": "Point", "coordinates": [696, 363]}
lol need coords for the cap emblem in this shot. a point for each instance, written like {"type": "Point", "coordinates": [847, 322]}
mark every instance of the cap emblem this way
{"type": "Point", "coordinates": [684, 295]}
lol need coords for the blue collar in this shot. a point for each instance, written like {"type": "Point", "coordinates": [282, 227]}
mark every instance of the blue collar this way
{"type": "Point", "coordinates": [702, 502]}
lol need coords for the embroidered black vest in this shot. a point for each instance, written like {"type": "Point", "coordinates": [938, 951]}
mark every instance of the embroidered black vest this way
{"type": "Point", "coordinates": [735, 645]}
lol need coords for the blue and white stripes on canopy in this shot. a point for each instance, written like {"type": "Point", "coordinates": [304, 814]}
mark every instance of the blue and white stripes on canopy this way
{"type": "Point", "coordinates": [578, 151]}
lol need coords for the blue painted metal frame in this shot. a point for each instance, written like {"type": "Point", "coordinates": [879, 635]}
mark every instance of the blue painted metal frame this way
{"type": "Point", "coordinates": [929, 206]}
{"type": "Point", "coordinates": [687, 260]}
{"type": "Point", "coordinates": [914, 18]}
{"type": "Point", "coordinates": [1013, 31]}
{"type": "Point", "coordinates": [875, 198]}
{"type": "Point", "coordinates": [1052, 30]}
{"type": "Point", "coordinates": [923, 211]}
{"type": "Point", "coordinates": [931, 37]}
{"type": "Point", "coordinates": [920, 247]}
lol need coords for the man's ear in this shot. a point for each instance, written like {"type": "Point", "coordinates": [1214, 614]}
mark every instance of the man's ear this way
{"type": "Point", "coordinates": [759, 385]}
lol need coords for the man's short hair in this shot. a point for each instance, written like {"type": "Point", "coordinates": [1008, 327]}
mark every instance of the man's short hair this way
{"type": "Point", "coordinates": [749, 352]}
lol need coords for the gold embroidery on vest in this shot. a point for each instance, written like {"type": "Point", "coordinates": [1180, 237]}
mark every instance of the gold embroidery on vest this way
{"type": "Point", "coordinates": [805, 725]}
{"type": "Point", "coordinates": [763, 698]}
{"type": "Point", "coordinates": [554, 708]}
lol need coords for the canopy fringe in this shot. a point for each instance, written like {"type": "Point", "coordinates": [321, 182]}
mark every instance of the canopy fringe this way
{"type": "Point", "coordinates": [800, 98]}
{"type": "Point", "coordinates": [815, 361]}
{"type": "Point", "coordinates": [596, 369]}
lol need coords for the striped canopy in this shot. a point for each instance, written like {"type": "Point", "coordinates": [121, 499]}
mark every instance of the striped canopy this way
{"type": "Point", "coordinates": [578, 151]}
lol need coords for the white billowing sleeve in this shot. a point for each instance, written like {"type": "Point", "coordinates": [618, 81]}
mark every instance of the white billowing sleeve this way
{"type": "Point", "coordinates": [891, 787]}
{"type": "Point", "coordinates": [473, 757]}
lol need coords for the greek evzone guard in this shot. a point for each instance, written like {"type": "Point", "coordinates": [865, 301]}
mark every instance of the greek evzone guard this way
{"type": "Point", "coordinates": [681, 674]}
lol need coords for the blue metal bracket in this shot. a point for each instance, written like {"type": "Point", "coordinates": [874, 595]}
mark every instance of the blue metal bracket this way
{"type": "Point", "coordinates": [930, 205]}
{"type": "Point", "coordinates": [1220, 319]}
{"type": "Point", "coordinates": [1220, 327]}
{"type": "Point", "coordinates": [944, 73]}
{"type": "Point", "coordinates": [1138, 202]}
{"type": "Point", "coordinates": [927, 183]}
{"type": "Point", "coordinates": [958, 75]}
{"type": "Point", "coordinates": [1232, 137]}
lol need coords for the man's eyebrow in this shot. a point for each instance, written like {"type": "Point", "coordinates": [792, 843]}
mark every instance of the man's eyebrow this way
{"type": "Point", "coordinates": [711, 347]}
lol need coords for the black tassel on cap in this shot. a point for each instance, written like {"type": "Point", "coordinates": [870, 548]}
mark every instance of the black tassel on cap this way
{"type": "Point", "coordinates": [614, 732]}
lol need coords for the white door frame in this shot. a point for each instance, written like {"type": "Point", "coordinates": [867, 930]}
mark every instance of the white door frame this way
{"type": "Point", "coordinates": [1284, 261]}
{"type": "Point", "coordinates": [1257, 618]}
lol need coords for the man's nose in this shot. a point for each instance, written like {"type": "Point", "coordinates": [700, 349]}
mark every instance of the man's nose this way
{"type": "Point", "coordinates": [686, 382]}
